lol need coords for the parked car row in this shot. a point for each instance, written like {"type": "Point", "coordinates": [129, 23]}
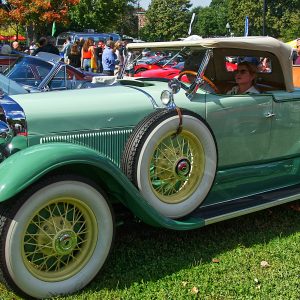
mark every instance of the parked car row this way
{"type": "Point", "coordinates": [178, 155]}
{"type": "Point", "coordinates": [45, 72]}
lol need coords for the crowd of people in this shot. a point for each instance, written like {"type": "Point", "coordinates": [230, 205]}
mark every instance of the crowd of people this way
{"type": "Point", "coordinates": [14, 48]}
{"type": "Point", "coordinates": [45, 44]}
{"type": "Point", "coordinates": [106, 57]}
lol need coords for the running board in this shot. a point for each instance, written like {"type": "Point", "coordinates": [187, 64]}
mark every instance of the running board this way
{"type": "Point", "coordinates": [238, 207]}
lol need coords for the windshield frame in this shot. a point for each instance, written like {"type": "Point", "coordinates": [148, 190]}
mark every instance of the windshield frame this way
{"type": "Point", "coordinates": [185, 52]}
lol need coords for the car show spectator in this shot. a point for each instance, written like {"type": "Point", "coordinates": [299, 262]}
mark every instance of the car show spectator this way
{"type": "Point", "coordinates": [74, 56]}
{"type": "Point", "coordinates": [5, 49]}
{"type": "Point", "coordinates": [32, 47]}
{"type": "Point", "coordinates": [109, 58]}
{"type": "Point", "coordinates": [130, 62]}
{"type": "Point", "coordinates": [80, 44]}
{"type": "Point", "coordinates": [98, 54]}
{"type": "Point", "coordinates": [296, 58]}
{"type": "Point", "coordinates": [245, 76]}
{"type": "Point", "coordinates": [87, 55]}
{"type": "Point", "coordinates": [265, 65]}
{"type": "Point", "coordinates": [48, 45]}
{"type": "Point", "coordinates": [130, 59]}
{"type": "Point", "coordinates": [118, 49]}
{"type": "Point", "coordinates": [41, 43]}
{"type": "Point", "coordinates": [16, 46]}
{"type": "Point", "coordinates": [66, 49]}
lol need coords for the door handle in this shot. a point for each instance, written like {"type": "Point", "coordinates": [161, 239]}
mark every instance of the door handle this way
{"type": "Point", "coordinates": [269, 115]}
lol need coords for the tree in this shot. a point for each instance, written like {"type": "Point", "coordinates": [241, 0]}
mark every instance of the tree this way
{"type": "Point", "coordinates": [281, 18]}
{"type": "Point", "coordinates": [277, 17]}
{"type": "Point", "coordinates": [35, 14]}
{"type": "Point", "coordinates": [211, 21]}
{"type": "Point", "coordinates": [103, 16]}
{"type": "Point", "coordinates": [166, 20]}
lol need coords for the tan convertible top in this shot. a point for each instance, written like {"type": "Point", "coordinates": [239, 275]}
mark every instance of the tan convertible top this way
{"type": "Point", "coordinates": [281, 50]}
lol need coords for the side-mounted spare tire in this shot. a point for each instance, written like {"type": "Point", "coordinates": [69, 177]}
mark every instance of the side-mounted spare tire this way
{"type": "Point", "coordinates": [171, 157]}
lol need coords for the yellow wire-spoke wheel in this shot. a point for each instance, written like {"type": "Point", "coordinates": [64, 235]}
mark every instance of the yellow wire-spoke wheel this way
{"type": "Point", "coordinates": [177, 166]}
{"type": "Point", "coordinates": [171, 157]}
{"type": "Point", "coordinates": [59, 239]}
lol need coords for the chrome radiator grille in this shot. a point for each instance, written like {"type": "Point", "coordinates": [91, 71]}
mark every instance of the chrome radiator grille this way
{"type": "Point", "coordinates": [109, 143]}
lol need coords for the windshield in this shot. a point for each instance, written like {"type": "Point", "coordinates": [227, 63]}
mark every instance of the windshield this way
{"type": "Point", "coordinates": [10, 87]}
{"type": "Point", "coordinates": [29, 70]}
{"type": "Point", "coordinates": [168, 64]}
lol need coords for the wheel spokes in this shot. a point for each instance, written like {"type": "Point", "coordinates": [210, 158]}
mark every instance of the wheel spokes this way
{"type": "Point", "coordinates": [56, 237]}
{"type": "Point", "coordinates": [173, 167]}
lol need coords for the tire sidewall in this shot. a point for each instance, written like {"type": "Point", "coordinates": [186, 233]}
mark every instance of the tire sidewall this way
{"type": "Point", "coordinates": [201, 131]}
{"type": "Point", "coordinates": [13, 247]}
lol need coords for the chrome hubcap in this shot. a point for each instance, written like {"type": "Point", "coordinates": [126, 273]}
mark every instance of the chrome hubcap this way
{"type": "Point", "coordinates": [183, 167]}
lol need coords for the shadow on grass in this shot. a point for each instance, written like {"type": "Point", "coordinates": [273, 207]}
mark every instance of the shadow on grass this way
{"type": "Point", "coordinates": [145, 253]}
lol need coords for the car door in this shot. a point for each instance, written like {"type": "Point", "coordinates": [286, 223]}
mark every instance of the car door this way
{"type": "Point", "coordinates": [285, 141]}
{"type": "Point", "coordinates": [241, 125]}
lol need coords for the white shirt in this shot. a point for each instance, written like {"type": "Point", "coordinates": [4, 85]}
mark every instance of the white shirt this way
{"type": "Point", "coordinates": [235, 91]}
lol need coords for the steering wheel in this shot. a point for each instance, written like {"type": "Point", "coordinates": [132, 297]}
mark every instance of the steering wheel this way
{"type": "Point", "coordinates": [193, 73]}
{"type": "Point", "coordinates": [208, 81]}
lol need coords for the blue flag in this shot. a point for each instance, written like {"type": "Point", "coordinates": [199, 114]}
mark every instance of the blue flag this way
{"type": "Point", "coordinates": [246, 26]}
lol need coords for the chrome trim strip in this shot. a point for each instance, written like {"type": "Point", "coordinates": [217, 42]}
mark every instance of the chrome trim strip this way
{"type": "Point", "coordinates": [148, 95]}
{"type": "Point", "coordinates": [251, 209]}
{"type": "Point", "coordinates": [53, 72]}
{"type": "Point", "coordinates": [199, 80]}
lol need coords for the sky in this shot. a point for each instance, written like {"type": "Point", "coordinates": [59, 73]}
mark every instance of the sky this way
{"type": "Point", "coordinates": [196, 3]}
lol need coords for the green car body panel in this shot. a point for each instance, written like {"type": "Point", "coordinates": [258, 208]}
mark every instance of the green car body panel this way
{"type": "Point", "coordinates": [53, 123]}
{"type": "Point", "coordinates": [37, 161]}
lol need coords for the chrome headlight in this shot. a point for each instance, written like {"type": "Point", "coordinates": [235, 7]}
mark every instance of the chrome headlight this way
{"type": "Point", "coordinates": [174, 85]}
{"type": "Point", "coordinates": [6, 134]}
{"type": "Point", "coordinates": [166, 97]}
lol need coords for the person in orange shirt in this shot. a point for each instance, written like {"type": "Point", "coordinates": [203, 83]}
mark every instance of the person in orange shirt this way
{"type": "Point", "coordinates": [87, 55]}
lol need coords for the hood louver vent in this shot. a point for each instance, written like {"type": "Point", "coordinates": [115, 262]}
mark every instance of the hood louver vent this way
{"type": "Point", "coordinates": [109, 143]}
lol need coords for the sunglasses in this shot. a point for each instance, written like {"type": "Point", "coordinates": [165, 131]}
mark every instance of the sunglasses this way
{"type": "Point", "coordinates": [241, 72]}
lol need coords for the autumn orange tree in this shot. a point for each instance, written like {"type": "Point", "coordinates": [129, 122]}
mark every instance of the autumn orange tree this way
{"type": "Point", "coordinates": [34, 15]}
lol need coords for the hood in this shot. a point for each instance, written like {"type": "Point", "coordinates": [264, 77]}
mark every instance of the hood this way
{"type": "Point", "coordinates": [84, 110]}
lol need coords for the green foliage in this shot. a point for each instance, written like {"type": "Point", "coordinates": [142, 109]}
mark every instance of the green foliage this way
{"type": "Point", "coordinates": [167, 20]}
{"type": "Point", "coordinates": [281, 18]}
{"type": "Point", "coordinates": [211, 22]}
{"type": "Point", "coordinates": [104, 16]}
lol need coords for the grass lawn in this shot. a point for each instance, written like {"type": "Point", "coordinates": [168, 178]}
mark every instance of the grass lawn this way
{"type": "Point", "coordinates": [251, 257]}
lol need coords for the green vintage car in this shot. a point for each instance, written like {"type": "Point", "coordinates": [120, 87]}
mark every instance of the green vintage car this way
{"type": "Point", "coordinates": [179, 155]}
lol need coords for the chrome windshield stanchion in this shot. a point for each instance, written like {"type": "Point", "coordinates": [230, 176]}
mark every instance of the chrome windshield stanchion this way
{"type": "Point", "coordinates": [199, 80]}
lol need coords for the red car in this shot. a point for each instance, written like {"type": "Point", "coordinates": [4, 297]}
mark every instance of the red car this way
{"type": "Point", "coordinates": [155, 62]}
{"type": "Point", "coordinates": [165, 72]}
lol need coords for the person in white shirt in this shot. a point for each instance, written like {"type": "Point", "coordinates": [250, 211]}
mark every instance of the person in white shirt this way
{"type": "Point", "coordinates": [245, 76]}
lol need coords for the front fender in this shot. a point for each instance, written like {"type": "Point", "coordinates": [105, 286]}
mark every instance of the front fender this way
{"type": "Point", "coordinates": [26, 166]}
